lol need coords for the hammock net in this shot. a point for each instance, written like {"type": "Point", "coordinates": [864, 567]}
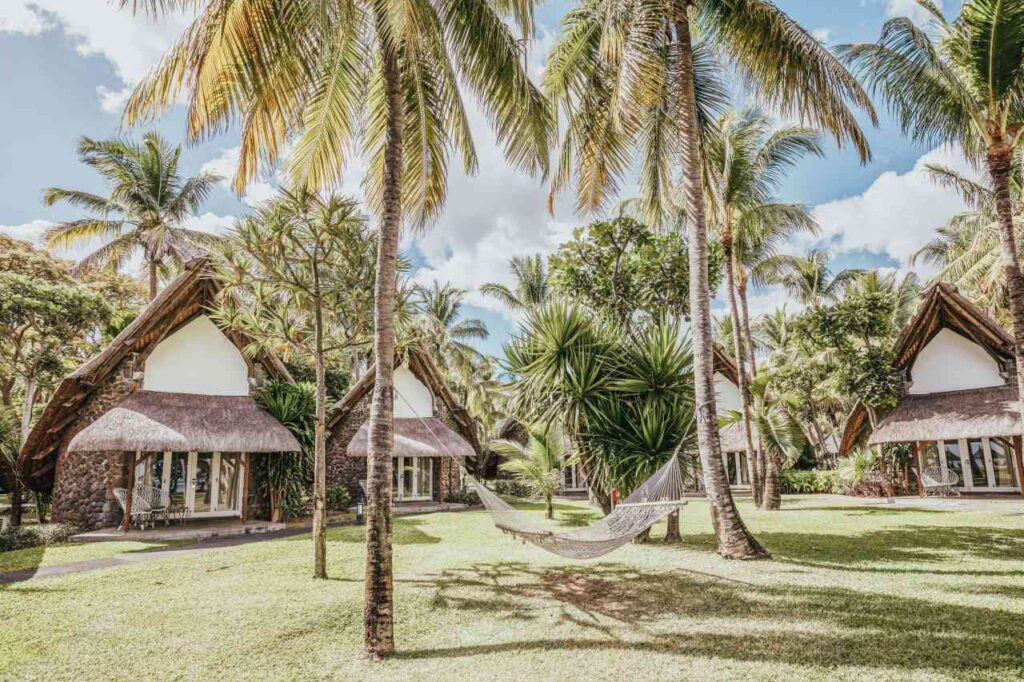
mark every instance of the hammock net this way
{"type": "Point", "coordinates": [652, 501]}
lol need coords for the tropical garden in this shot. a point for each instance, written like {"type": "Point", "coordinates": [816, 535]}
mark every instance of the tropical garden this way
{"type": "Point", "coordinates": [702, 108]}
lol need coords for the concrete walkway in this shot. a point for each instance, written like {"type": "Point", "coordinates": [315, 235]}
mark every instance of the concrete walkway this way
{"type": "Point", "coordinates": [145, 556]}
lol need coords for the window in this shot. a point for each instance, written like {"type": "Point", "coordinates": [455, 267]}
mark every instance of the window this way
{"type": "Point", "coordinates": [413, 478]}
{"type": "Point", "coordinates": [930, 455]}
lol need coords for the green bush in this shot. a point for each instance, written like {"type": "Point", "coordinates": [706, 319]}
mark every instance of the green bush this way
{"type": "Point", "coordinates": [801, 482]}
{"type": "Point", "coordinates": [338, 498]}
{"type": "Point", "coordinates": [34, 536]}
{"type": "Point", "coordinates": [510, 487]}
{"type": "Point", "coordinates": [465, 496]}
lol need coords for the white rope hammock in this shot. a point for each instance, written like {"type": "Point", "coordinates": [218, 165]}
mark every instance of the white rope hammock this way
{"type": "Point", "coordinates": [652, 501]}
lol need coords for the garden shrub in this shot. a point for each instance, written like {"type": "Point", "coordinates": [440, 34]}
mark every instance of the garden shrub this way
{"type": "Point", "coordinates": [803, 482]}
{"type": "Point", "coordinates": [510, 487]}
{"type": "Point", "coordinates": [338, 498]}
{"type": "Point", "coordinates": [35, 536]}
{"type": "Point", "coordinates": [465, 496]}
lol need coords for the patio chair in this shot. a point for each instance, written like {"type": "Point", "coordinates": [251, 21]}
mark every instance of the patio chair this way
{"type": "Point", "coordinates": [141, 512]}
{"type": "Point", "coordinates": [931, 479]}
{"type": "Point", "coordinates": [156, 499]}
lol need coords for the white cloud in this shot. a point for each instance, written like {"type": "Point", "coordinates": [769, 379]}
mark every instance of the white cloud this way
{"type": "Point", "coordinates": [30, 232]}
{"type": "Point", "coordinates": [113, 101]}
{"type": "Point", "coordinates": [910, 9]}
{"type": "Point", "coordinates": [822, 35]}
{"type": "Point", "coordinates": [897, 214]}
{"type": "Point", "coordinates": [225, 166]}
{"type": "Point", "coordinates": [132, 43]}
{"type": "Point", "coordinates": [209, 222]}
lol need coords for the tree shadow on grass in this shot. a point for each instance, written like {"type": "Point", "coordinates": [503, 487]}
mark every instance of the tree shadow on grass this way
{"type": "Point", "coordinates": [791, 624]}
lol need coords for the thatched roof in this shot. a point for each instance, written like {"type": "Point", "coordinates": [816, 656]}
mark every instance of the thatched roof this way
{"type": "Point", "coordinates": [725, 364]}
{"type": "Point", "coordinates": [153, 421]}
{"type": "Point", "coordinates": [947, 416]}
{"type": "Point", "coordinates": [942, 307]}
{"type": "Point", "coordinates": [183, 299]}
{"type": "Point", "coordinates": [415, 437]}
{"type": "Point", "coordinates": [425, 370]}
{"type": "Point", "coordinates": [732, 439]}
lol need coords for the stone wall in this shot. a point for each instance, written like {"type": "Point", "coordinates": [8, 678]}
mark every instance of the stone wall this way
{"type": "Point", "coordinates": [348, 471]}
{"type": "Point", "coordinates": [84, 482]}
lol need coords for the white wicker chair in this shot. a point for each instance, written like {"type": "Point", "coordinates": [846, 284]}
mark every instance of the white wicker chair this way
{"type": "Point", "coordinates": [931, 479]}
{"type": "Point", "coordinates": [141, 513]}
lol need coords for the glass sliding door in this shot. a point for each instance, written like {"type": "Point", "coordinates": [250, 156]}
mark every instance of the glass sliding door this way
{"type": "Point", "coordinates": [1004, 457]}
{"type": "Point", "coordinates": [954, 465]}
{"type": "Point", "coordinates": [413, 478]}
{"type": "Point", "coordinates": [976, 459]}
{"type": "Point", "coordinates": [204, 483]}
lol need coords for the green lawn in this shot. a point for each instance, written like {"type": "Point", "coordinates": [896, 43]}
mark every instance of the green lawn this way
{"type": "Point", "coordinates": [854, 593]}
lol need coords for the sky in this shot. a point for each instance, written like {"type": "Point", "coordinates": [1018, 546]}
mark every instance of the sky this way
{"type": "Point", "coordinates": [66, 67]}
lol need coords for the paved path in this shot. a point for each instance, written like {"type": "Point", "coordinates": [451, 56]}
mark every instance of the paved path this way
{"type": "Point", "coordinates": [139, 557]}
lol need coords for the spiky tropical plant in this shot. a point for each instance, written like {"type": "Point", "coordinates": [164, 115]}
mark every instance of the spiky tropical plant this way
{"type": "Point", "coordinates": [630, 78]}
{"type": "Point", "coordinates": [382, 80]}
{"type": "Point", "coordinates": [284, 476]}
{"type": "Point", "coordinates": [537, 465]}
{"type": "Point", "coordinates": [148, 201]}
{"type": "Point", "coordinates": [745, 160]}
{"type": "Point", "coordinates": [964, 86]}
{"type": "Point", "coordinates": [531, 285]}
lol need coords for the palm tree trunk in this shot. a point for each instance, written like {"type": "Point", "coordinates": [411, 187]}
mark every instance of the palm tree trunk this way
{"type": "Point", "coordinates": [734, 540]}
{"type": "Point", "coordinates": [549, 507]}
{"type": "Point", "coordinates": [1000, 158]}
{"type": "Point", "coordinates": [320, 444]}
{"type": "Point", "coordinates": [378, 613]}
{"type": "Point", "coordinates": [152, 280]}
{"type": "Point", "coordinates": [672, 534]}
{"type": "Point", "coordinates": [739, 346]}
{"type": "Point", "coordinates": [772, 499]}
{"type": "Point", "coordinates": [748, 338]}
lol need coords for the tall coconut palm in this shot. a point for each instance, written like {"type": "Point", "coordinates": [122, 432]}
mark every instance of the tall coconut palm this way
{"type": "Point", "coordinates": [966, 249]}
{"type": "Point", "coordinates": [531, 288]}
{"type": "Point", "coordinates": [964, 86]}
{"type": "Point", "coordinates": [745, 160]}
{"type": "Point", "coordinates": [629, 77]}
{"type": "Point", "coordinates": [148, 201]}
{"type": "Point", "coordinates": [807, 278]}
{"type": "Point", "coordinates": [380, 79]}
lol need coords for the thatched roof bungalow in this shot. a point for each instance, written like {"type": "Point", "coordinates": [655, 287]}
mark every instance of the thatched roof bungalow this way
{"type": "Point", "coordinates": [727, 398]}
{"type": "Point", "coordinates": [434, 433]}
{"type": "Point", "coordinates": [960, 406]}
{"type": "Point", "coordinates": [168, 403]}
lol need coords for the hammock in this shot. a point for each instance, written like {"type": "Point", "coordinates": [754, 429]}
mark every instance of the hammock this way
{"type": "Point", "coordinates": [655, 499]}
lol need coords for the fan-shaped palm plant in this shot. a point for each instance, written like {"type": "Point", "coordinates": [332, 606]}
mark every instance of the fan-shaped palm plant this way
{"type": "Point", "coordinates": [537, 465]}
{"type": "Point", "coordinates": [148, 201]}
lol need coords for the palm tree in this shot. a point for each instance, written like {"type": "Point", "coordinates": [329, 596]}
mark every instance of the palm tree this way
{"type": "Point", "coordinates": [148, 202]}
{"type": "Point", "coordinates": [745, 160]}
{"type": "Point", "coordinates": [964, 87]}
{"type": "Point", "coordinates": [438, 326]}
{"type": "Point", "coordinates": [536, 465]}
{"type": "Point", "coordinates": [807, 278]}
{"type": "Point", "coordinates": [966, 249]}
{"type": "Point", "coordinates": [781, 436]}
{"type": "Point", "coordinates": [380, 79]}
{"type": "Point", "coordinates": [630, 76]}
{"type": "Point", "coordinates": [531, 288]}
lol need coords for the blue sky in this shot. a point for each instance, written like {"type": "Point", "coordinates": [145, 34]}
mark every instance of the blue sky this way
{"type": "Point", "coordinates": [65, 66]}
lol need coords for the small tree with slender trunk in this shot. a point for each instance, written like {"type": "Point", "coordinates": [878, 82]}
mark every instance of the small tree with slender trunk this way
{"type": "Point", "coordinates": [537, 465]}
{"type": "Point", "coordinates": [965, 86]}
{"type": "Point", "coordinates": [297, 275]}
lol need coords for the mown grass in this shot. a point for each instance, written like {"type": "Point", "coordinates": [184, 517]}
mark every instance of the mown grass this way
{"type": "Point", "coordinates": [854, 592]}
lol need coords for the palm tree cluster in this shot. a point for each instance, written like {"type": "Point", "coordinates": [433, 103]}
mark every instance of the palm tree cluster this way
{"type": "Point", "coordinates": [313, 84]}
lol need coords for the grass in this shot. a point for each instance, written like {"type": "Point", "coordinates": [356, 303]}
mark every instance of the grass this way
{"type": "Point", "coordinates": [855, 592]}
